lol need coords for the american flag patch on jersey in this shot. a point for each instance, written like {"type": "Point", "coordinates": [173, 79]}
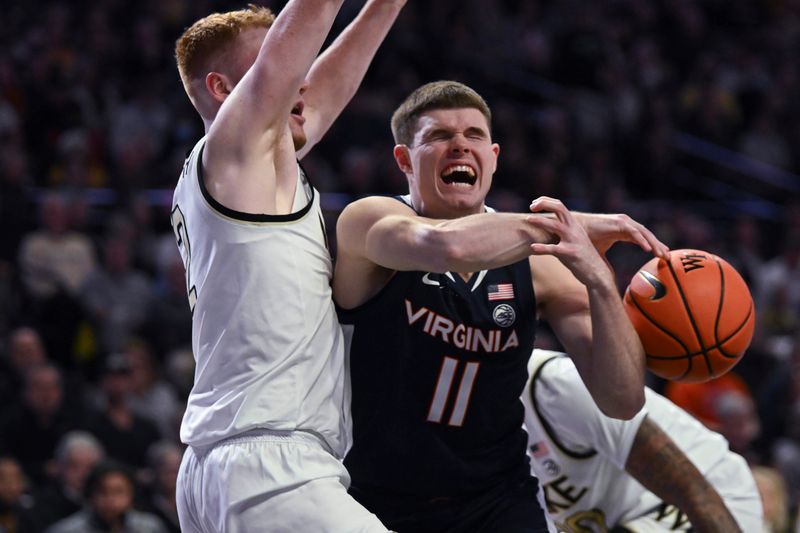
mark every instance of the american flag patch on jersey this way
{"type": "Point", "coordinates": [501, 291]}
{"type": "Point", "coordinates": [539, 449]}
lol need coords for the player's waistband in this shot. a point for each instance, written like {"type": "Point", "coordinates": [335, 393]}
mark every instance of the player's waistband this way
{"type": "Point", "coordinates": [297, 436]}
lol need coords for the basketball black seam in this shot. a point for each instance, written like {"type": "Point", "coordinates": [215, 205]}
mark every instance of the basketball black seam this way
{"type": "Point", "coordinates": [735, 331]}
{"type": "Point", "coordinates": [659, 326]}
{"type": "Point", "coordinates": [691, 318]}
{"type": "Point", "coordinates": [719, 312]}
{"type": "Point", "coordinates": [717, 346]}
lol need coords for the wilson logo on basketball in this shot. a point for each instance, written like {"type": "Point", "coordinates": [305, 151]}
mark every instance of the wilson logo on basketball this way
{"type": "Point", "coordinates": [692, 262]}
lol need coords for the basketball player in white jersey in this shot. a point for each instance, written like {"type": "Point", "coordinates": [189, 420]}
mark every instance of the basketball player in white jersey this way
{"type": "Point", "coordinates": [267, 420]}
{"type": "Point", "coordinates": [660, 471]}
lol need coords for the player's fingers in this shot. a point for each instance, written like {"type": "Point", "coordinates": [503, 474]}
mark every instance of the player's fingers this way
{"type": "Point", "coordinates": [545, 203]}
{"type": "Point", "coordinates": [544, 249]}
{"type": "Point", "coordinates": [640, 232]}
{"type": "Point", "coordinates": [658, 248]}
{"type": "Point", "coordinates": [546, 223]}
{"type": "Point", "coordinates": [639, 238]}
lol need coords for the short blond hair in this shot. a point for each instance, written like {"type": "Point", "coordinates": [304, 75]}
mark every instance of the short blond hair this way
{"type": "Point", "coordinates": [211, 36]}
{"type": "Point", "coordinates": [434, 95]}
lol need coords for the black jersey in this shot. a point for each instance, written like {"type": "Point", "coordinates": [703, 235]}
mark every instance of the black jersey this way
{"type": "Point", "coordinates": [437, 366]}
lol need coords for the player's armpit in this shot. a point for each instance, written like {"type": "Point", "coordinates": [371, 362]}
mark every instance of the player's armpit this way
{"type": "Point", "coordinates": [658, 464]}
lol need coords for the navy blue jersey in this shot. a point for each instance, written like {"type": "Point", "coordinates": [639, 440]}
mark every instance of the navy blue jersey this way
{"type": "Point", "coordinates": [438, 365]}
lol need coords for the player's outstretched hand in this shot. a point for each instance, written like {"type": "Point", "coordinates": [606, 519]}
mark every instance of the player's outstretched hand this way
{"type": "Point", "coordinates": [604, 230]}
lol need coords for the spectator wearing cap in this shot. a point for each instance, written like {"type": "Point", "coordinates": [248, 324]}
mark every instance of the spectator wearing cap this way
{"type": "Point", "coordinates": [125, 435]}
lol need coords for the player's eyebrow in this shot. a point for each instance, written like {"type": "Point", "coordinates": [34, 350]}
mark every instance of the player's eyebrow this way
{"type": "Point", "coordinates": [472, 131]}
{"type": "Point", "coordinates": [476, 131]}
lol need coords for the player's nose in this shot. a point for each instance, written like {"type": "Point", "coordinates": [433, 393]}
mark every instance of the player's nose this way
{"type": "Point", "coordinates": [459, 145]}
{"type": "Point", "coordinates": [304, 87]}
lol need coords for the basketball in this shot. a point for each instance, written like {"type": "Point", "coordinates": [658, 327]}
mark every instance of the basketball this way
{"type": "Point", "coordinates": [694, 315]}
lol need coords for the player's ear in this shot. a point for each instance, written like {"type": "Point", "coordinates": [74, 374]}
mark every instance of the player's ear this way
{"type": "Point", "coordinates": [496, 151]}
{"type": "Point", "coordinates": [218, 86]}
{"type": "Point", "coordinates": [403, 158]}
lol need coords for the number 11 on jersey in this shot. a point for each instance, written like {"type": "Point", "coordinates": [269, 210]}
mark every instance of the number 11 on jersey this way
{"type": "Point", "coordinates": [441, 394]}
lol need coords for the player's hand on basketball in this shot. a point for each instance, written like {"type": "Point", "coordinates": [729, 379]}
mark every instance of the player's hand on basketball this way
{"type": "Point", "coordinates": [573, 247]}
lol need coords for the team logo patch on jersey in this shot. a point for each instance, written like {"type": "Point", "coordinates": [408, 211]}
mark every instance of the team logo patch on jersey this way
{"type": "Point", "coordinates": [504, 315]}
{"type": "Point", "coordinates": [551, 467]}
{"type": "Point", "coordinates": [500, 291]}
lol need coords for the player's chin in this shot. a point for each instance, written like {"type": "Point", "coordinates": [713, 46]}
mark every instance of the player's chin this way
{"type": "Point", "coordinates": [298, 138]}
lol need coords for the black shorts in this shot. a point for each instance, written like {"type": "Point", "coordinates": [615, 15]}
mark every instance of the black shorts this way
{"type": "Point", "coordinates": [512, 507]}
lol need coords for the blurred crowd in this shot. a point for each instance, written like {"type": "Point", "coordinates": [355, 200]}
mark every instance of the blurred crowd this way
{"type": "Point", "coordinates": [682, 113]}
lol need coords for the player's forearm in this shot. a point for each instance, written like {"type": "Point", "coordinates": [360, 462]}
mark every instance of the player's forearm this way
{"type": "Point", "coordinates": [337, 73]}
{"type": "Point", "coordinates": [618, 360]}
{"type": "Point", "coordinates": [292, 44]}
{"type": "Point", "coordinates": [467, 244]}
{"type": "Point", "coordinates": [660, 466]}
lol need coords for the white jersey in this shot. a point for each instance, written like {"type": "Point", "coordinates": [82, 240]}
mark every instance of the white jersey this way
{"type": "Point", "coordinates": [265, 336]}
{"type": "Point", "coordinates": [579, 455]}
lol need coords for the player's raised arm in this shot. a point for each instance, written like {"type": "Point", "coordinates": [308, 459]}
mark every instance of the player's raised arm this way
{"type": "Point", "coordinates": [377, 236]}
{"type": "Point", "coordinates": [265, 95]}
{"type": "Point", "coordinates": [337, 73]}
{"type": "Point", "coordinates": [251, 138]}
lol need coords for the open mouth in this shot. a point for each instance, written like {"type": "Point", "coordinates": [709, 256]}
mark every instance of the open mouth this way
{"type": "Point", "coordinates": [298, 108]}
{"type": "Point", "coordinates": [459, 175]}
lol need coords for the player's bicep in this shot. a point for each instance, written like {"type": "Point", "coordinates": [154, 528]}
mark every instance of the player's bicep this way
{"type": "Point", "coordinates": [389, 234]}
{"type": "Point", "coordinates": [360, 273]}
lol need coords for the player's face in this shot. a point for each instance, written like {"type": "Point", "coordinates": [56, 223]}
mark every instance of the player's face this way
{"type": "Point", "coordinates": [451, 162]}
{"type": "Point", "coordinates": [297, 120]}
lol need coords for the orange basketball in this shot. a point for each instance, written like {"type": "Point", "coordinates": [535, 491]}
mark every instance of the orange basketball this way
{"type": "Point", "coordinates": [693, 313]}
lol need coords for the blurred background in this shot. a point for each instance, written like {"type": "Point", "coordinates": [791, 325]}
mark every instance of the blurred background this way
{"type": "Point", "coordinates": [683, 114]}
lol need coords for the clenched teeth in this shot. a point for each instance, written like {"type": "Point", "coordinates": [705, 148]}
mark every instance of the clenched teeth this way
{"type": "Point", "coordinates": [459, 168]}
{"type": "Point", "coordinates": [462, 175]}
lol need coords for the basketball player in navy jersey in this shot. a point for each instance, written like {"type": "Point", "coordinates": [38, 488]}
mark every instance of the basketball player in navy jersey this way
{"type": "Point", "coordinates": [267, 421]}
{"type": "Point", "coordinates": [439, 297]}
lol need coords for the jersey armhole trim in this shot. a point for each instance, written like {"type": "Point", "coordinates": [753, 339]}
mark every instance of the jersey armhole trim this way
{"type": "Point", "coordinates": [546, 425]}
{"type": "Point", "coordinates": [250, 217]}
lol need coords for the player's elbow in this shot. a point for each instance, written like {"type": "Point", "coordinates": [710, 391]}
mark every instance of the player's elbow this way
{"type": "Point", "coordinates": [624, 407]}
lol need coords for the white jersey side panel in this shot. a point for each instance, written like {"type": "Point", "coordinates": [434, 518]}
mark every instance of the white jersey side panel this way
{"type": "Point", "coordinates": [579, 454]}
{"type": "Point", "coordinates": [265, 336]}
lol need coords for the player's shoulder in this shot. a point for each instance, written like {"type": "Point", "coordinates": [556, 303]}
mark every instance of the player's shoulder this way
{"type": "Point", "coordinates": [380, 202]}
{"type": "Point", "coordinates": [374, 208]}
